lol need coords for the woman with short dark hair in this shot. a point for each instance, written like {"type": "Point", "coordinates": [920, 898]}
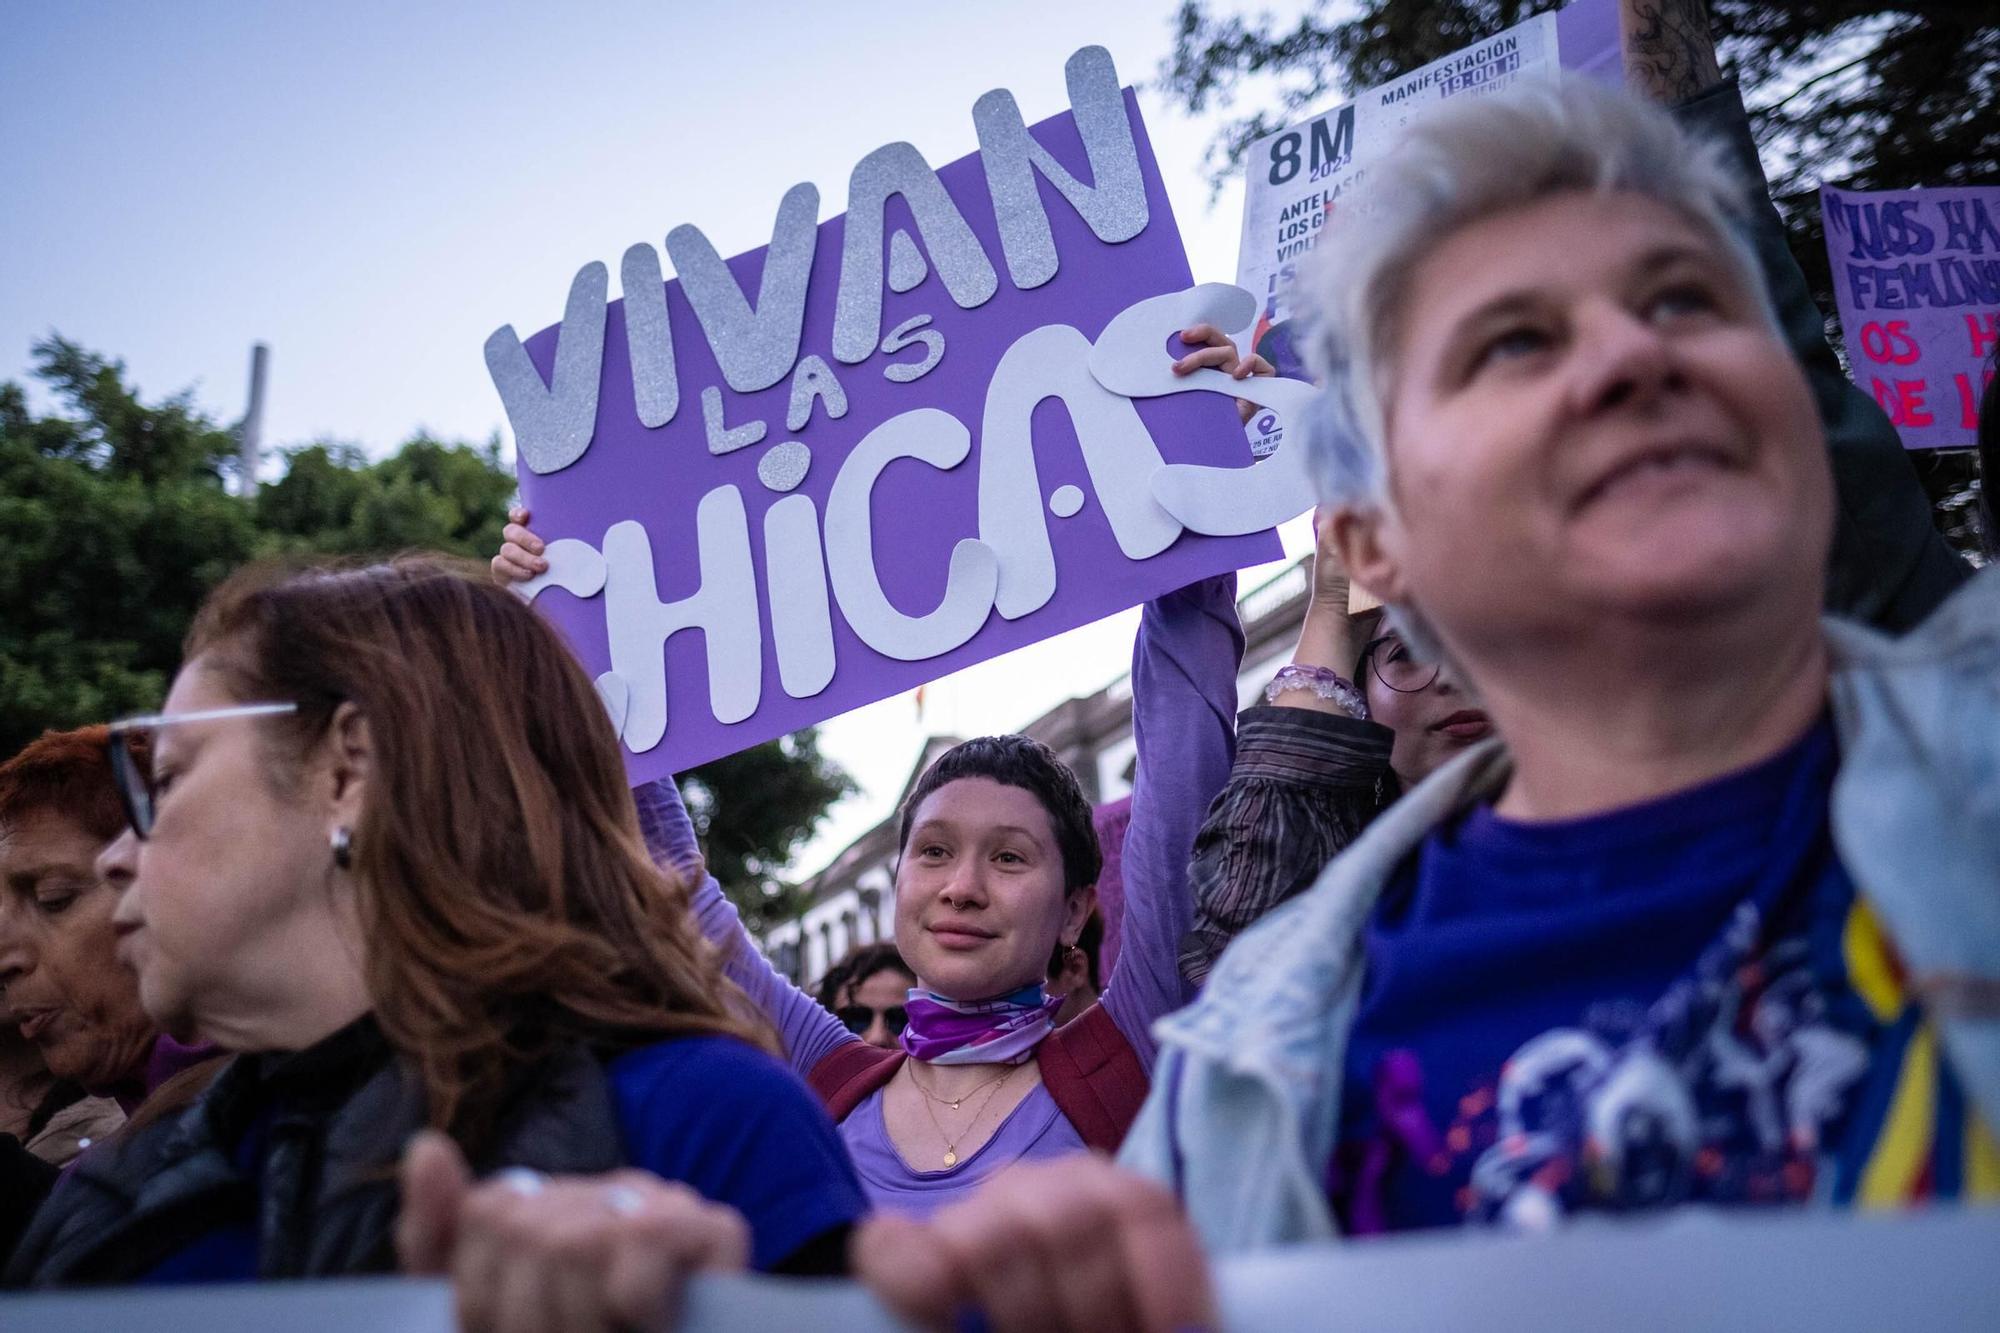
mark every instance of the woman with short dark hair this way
{"type": "Point", "coordinates": [998, 863]}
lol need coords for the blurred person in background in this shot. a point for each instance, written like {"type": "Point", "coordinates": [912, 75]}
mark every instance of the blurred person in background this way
{"type": "Point", "coordinates": [866, 991]}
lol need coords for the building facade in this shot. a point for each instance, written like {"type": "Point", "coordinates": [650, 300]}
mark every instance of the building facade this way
{"type": "Point", "coordinates": [853, 900]}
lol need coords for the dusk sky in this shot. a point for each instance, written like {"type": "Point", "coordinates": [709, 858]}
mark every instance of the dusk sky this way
{"type": "Point", "coordinates": [372, 188]}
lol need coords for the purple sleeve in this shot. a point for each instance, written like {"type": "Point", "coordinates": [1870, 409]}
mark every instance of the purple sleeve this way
{"type": "Point", "coordinates": [1184, 667]}
{"type": "Point", "coordinates": [809, 1032]}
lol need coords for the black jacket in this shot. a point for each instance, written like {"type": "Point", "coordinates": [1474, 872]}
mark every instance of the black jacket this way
{"type": "Point", "coordinates": [321, 1132]}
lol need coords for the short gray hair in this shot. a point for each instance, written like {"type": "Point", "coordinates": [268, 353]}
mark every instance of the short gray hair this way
{"type": "Point", "coordinates": [1462, 163]}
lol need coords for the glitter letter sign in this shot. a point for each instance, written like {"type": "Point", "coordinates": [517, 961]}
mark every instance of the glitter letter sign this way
{"type": "Point", "coordinates": [887, 445]}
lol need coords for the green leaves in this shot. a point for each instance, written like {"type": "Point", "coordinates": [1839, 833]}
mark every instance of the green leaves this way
{"type": "Point", "coordinates": [115, 523]}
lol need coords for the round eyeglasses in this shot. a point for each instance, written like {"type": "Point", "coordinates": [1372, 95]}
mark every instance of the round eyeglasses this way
{"type": "Point", "coordinates": [1394, 666]}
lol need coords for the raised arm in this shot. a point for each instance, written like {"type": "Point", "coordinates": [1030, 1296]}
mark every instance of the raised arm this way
{"type": "Point", "coordinates": [1889, 565]}
{"type": "Point", "coordinates": [1304, 785]}
{"type": "Point", "coordinates": [1184, 668]}
{"type": "Point", "coordinates": [809, 1032]}
{"type": "Point", "coordinates": [1309, 774]}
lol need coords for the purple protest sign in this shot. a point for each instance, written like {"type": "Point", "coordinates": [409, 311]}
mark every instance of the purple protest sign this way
{"type": "Point", "coordinates": [1916, 274]}
{"type": "Point", "coordinates": [836, 459]}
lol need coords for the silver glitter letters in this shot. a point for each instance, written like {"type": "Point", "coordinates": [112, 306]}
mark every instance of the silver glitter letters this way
{"type": "Point", "coordinates": [898, 168]}
{"type": "Point", "coordinates": [725, 439]}
{"type": "Point", "coordinates": [553, 423]}
{"type": "Point", "coordinates": [755, 348]}
{"type": "Point", "coordinates": [656, 384]}
{"type": "Point", "coordinates": [814, 379]}
{"type": "Point", "coordinates": [1114, 205]}
{"type": "Point", "coordinates": [910, 332]}
{"type": "Point", "coordinates": [906, 266]}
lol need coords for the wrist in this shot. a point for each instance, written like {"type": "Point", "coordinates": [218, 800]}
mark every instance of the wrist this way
{"type": "Point", "coordinates": [1325, 640]}
{"type": "Point", "coordinates": [1301, 685]}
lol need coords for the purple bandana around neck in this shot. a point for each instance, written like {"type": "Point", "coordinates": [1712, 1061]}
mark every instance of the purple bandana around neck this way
{"type": "Point", "coordinates": [1004, 1030]}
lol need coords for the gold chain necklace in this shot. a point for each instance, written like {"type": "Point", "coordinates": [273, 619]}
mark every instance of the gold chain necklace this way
{"type": "Point", "coordinates": [953, 1103]}
{"type": "Point", "coordinates": [990, 1087]}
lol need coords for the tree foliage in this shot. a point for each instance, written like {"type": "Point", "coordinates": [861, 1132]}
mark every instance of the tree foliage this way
{"type": "Point", "coordinates": [116, 520]}
{"type": "Point", "coordinates": [1873, 94]}
{"type": "Point", "coordinates": [752, 808]}
{"type": "Point", "coordinates": [115, 524]}
{"type": "Point", "coordinates": [1881, 95]}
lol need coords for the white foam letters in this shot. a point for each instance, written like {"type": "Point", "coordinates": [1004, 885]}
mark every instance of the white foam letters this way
{"type": "Point", "coordinates": [723, 608]}
{"type": "Point", "coordinates": [941, 440]}
{"type": "Point", "coordinates": [1217, 501]}
{"type": "Point", "coordinates": [1054, 362]}
{"type": "Point", "coordinates": [801, 619]}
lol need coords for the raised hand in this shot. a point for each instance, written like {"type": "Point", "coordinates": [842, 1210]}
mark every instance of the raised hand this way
{"type": "Point", "coordinates": [1216, 351]}
{"type": "Point", "coordinates": [1669, 53]}
{"type": "Point", "coordinates": [1330, 583]}
{"type": "Point", "coordinates": [520, 557]}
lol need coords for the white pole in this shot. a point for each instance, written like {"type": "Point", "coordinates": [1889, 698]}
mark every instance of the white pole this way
{"type": "Point", "coordinates": [253, 420]}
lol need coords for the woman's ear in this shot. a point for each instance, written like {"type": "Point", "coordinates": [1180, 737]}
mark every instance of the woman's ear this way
{"type": "Point", "coordinates": [1367, 545]}
{"type": "Point", "coordinates": [1076, 911]}
{"type": "Point", "coordinates": [350, 759]}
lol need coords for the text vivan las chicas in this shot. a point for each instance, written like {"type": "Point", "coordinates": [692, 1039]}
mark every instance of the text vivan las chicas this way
{"type": "Point", "coordinates": [891, 444]}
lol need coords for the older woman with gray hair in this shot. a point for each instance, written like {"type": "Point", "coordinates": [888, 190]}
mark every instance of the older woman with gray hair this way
{"type": "Point", "coordinates": [1716, 919]}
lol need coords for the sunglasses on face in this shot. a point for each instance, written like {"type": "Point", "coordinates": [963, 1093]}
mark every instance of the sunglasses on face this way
{"type": "Point", "coordinates": [858, 1018]}
{"type": "Point", "coordinates": [133, 774]}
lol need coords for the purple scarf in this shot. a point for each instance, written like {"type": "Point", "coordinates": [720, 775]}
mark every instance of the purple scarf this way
{"type": "Point", "coordinates": [1001, 1031]}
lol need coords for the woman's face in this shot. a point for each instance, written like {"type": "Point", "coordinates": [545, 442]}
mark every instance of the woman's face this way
{"type": "Point", "coordinates": [1591, 422]}
{"type": "Point", "coordinates": [58, 954]}
{"type": "Point", "coordinates": [230, 911]}
{"type": "Point", "coordinates": [1432, 723]}
{"type": "Point", "coordinates": [980, 901]}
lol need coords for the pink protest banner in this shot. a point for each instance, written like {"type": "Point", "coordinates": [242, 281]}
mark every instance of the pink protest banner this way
{"type": "Point", "coordinates": [891, 444]}
{"type": "Point", "coordinates": [1916, 275]}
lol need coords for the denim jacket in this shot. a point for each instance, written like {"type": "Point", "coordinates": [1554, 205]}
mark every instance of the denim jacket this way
{"type": "Point", "coordinates": [1246, 1092]}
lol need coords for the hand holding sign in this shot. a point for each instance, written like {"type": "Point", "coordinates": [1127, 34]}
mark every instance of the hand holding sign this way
{"type": "Point", "coordinates": [1076, 1244]}
{"type": "Point", "coordinates": [579, 1253]}
{"type": "Point", "coordinates": [870, 494]}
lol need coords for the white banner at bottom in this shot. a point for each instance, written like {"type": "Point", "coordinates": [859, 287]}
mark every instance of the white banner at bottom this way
{"type": "Point", "coordinates": [1934, 1270]}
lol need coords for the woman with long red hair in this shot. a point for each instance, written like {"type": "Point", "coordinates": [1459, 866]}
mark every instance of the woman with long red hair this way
{"type": "Point", "coordinates": [411, 896]}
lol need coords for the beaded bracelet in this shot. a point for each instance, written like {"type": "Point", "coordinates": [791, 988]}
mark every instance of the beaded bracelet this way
{"type": "Point", "coordinates": [1322, 681]}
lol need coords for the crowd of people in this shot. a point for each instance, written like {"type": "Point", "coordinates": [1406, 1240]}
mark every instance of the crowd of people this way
{"type": "Point", "coordinates": [1624, 835]}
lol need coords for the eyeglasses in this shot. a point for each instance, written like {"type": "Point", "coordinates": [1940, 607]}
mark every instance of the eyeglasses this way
{"type": "Point", "coordinates": [1394, 666]}
{"type": "Point", "coordinates": [134, 776]}
{"type": "Point", "coordinates": [858, 1018]}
